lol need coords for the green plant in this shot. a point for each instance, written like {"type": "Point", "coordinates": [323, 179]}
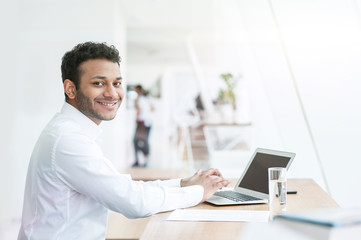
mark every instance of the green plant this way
{"type": "Point", "coordinates": [227, 95]}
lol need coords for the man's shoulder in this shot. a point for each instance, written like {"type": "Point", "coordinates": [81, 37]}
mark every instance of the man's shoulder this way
{"type": "Point", "coordinates": [62, 134]}
{"type": "Point", "coordinates": [61, 124]}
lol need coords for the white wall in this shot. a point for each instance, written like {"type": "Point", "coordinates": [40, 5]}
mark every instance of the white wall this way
{"type": "Point", "coordinates": [41, 32]}
{"type": "Point", "coordinates": [307, 55]}
{"type": "Point", "coordinates": [8, 74]}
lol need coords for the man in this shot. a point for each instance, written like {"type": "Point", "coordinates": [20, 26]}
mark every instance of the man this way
{"type": "Point", "coordinates": [70, 185]}
{"type": "Point", "coordinates": [144, 122]}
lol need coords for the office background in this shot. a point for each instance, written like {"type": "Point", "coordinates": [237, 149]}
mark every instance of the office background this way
{"type": "Point", "coordinates": [300, 63]}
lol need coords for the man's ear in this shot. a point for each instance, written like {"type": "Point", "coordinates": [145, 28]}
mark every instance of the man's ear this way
{"type": "Point", "coordinates": [69, 89]}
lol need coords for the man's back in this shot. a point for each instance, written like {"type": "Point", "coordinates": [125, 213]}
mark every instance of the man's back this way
{"type": "Point", "coordinates": [70, 185]}
{"type": "Point", "coordinates": [53, 209]}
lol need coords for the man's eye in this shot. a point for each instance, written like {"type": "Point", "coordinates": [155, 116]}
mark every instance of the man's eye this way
{"type": "Point", "coordinates": [117, 84]}
{"type": "Point", "coordinates": [98, 84]}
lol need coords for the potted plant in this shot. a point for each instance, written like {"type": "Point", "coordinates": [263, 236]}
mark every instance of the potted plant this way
{"type": "Point", "coordinates": [227, 96]}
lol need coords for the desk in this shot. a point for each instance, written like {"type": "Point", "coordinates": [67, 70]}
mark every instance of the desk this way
{"type": "Point", "coordinates": [309, 196]}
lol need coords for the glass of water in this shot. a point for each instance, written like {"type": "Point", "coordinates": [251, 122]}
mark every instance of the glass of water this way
{"type": "Point", "coordinates": [277, 190]}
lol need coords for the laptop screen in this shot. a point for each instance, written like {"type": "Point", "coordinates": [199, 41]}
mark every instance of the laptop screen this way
{"type": "Point", "coordinates": [256, 176]}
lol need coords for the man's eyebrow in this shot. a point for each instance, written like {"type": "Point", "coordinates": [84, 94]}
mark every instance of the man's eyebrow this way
{"type": "Point", "coordinates": [98, 77]}
{"type": "Point", "coordinates": [103, 77]}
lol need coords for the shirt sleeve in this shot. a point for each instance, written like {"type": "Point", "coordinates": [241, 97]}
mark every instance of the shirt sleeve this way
{"type": "Point", "coordinates": [83, 168]}
{"type": "Point", "coordinates": [169, 183]}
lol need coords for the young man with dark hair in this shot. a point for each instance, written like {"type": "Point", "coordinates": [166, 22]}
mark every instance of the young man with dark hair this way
{"type": "Point", "coordinates": [70, 185]}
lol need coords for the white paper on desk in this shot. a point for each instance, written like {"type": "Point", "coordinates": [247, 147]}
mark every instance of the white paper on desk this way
{"type": "Point", "coordinates": [218, 215]}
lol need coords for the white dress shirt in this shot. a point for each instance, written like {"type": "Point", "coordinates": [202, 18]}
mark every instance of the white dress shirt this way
{"type": "Point", "coordinates": [70, 185]}
{"type": "Point", "coordinates": [144, 105]}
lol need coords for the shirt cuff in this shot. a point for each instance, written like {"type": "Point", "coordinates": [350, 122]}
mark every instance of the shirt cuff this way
{"type": "Point", "coordinates": [195, 195]}
{"type": "Point", "coordinates": [183, 197]}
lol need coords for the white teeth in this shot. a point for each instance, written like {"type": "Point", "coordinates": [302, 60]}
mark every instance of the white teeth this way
{"type": "Point", "coordinates": [107, 104]}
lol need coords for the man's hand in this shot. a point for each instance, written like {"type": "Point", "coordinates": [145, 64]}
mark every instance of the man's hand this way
{"type": "Point", "coordinates": [211, 180]}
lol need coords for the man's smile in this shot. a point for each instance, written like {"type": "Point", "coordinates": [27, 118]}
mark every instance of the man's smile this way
{"type": "Point", "coordinates": [108, 104]}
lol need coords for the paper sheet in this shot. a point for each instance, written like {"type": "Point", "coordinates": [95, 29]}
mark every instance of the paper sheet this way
{"type": "Point", "coordinates": [218, 215]}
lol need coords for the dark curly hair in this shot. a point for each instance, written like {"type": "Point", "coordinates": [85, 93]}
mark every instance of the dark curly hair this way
{"type": "Point", "coordinates": [83, 52]}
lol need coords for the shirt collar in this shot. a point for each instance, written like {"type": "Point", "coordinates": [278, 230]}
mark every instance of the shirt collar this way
{"type": "Point", "coordinates": [90, 128]}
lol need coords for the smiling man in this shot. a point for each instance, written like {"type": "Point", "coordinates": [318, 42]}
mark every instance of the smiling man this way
{"type": "Point", "coordinates": [70, 185]}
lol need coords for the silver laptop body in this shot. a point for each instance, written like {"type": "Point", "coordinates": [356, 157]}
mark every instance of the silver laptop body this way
{"type": "Point", "coordinates": [254, 180]}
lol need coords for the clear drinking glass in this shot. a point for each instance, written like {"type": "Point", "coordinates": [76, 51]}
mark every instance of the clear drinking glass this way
{"type": "Point", "coordinates": [277, 186]}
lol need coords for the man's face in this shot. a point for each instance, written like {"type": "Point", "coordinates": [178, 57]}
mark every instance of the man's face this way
{"type": "Point", "coordinates": [100, 90]}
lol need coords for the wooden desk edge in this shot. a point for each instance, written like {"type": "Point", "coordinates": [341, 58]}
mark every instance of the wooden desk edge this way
{"type": "Point", "coordinates": [304, 186]}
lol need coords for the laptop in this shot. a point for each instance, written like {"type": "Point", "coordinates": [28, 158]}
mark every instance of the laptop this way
{"type": "Point", "coordinates": [252, 186]}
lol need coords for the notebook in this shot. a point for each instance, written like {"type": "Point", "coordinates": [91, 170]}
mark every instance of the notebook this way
{"type": "Point", "coordinates": [253, 184]}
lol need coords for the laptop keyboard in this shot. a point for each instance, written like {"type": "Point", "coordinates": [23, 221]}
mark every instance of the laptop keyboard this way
{"type": "Point", "coordinates": [235, 196]}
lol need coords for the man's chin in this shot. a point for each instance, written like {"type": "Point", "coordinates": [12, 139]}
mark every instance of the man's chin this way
{"type": "Point", "coordinates": [108, 118]}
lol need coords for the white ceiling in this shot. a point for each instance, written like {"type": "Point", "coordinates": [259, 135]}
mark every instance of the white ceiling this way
{"type": "Point", "coordinates": [168, 13]}
{"type": "Point", "coordinates": [157, 29]}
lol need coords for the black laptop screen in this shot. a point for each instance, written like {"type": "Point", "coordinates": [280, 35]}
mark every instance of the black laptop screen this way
{"type": "Point", "coordinates": [256, 177]}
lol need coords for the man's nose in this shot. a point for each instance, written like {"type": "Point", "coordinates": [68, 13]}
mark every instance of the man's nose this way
{"type": "Point", "coordinates": [111, 91]}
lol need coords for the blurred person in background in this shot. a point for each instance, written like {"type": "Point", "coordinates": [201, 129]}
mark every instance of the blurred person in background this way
{"type": "Point", "coordinates": [144, 108]}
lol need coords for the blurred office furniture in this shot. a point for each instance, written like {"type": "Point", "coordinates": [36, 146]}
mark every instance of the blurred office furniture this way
{"type": "Point", "coordinates": [229, 147]}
